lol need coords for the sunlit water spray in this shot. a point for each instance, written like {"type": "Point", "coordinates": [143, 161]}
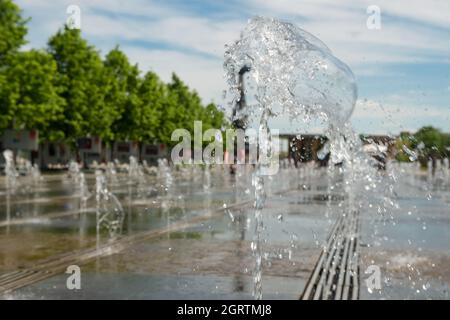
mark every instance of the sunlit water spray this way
{"type": "Point", "coordinates": [167, 193]}
{"type": "Point", "coordinates": [109, 212]}
{"type": "Point", "coordinates": [74, 170]}
{"type": "Point", "coordinates": [136, 176]}
{"type": "Point", "coordinates": [10, 170]}
{"type": "Point", "coordinates": [111, 173]}
{"type": "Point", "coordinates": [293, 73]}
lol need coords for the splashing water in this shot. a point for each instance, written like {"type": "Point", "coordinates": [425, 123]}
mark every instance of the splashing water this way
{"type": "Point", "coordinates": [136, 175]}
{"type": "Point", "coordinates": [294, 73]}
{"type": "Point", "coordinates": [109, 211]}
{"type": "Point", "coordinates": [83, 188]}
{"type": "Point", "coordinates": [207, 179]}
{"type": "Point", "coordinates": [133, 168]}
{"type": "Point", "coordinates": [292, 70]}
{"type": "Point", "coordinates": [165, 174]}
{"type": "Point", "coordinates": [10, 170]}
{"type": "Point", "coordinates": [446, 169]}
{"type": "Point", "coordinates": [32, 172]}
{"type": "Point", "coordinates": [111, 173]}
{"type": "Point", "coordinates": [74, 171]}
{"type": "Point", "coordinates": [35, 172]}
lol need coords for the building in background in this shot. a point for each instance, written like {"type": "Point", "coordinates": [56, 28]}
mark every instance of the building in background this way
{"type": "Point", "coordinates": [306, 148]}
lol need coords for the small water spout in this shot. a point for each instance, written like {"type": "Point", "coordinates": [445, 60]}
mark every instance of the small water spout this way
{"type": "Point", "coordinates": [165, 174]}
{"type": "Point", "coordinates": [111, 173]}
{"type": "Point", "coordinates": [207, 179]}
{"type": "Point", "coordinates": [136, 175]}
{"type": "Point", "coordinates": [35, 172]}
{"type": "Point", "coordinates": [10, 170]}
{"type": "Point", "coordinates": [133, 168]}
{"type": "Point", "coordinates": [74, 171]}
{"type": "Point", "coordinates": [446, 170]}
{"type": "Point", "coordinates": [109, 212]}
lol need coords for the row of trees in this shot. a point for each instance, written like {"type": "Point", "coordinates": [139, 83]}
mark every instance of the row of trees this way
{"type": "Point", "coordinates": [68, 91]}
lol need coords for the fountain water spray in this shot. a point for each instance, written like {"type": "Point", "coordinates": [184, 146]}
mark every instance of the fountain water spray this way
{"type": "Point", "coordinates": [136, 174]}
{"type": "Point", "coordinates": [165, 174]}
{"type": "Point", "coordinates": [292, 72]}
{"type": "Point", "coordinates": [79, 181]}
{"type": "Point", "coordinates": [74, 170]}
{"type": "Point", "coordinates": [10, 170]}
{"type": "Point", "coordinates": [111, 173]}
{"type": "Point", "coordinates": [110, 214]}
{"type": "Point", "coordinates": [35, 172]}
{"type": "Point", "coordinates": [133, 168]}
{"type": "Point", "coordinates": [11, 180]}
{"type": "Point", "coordinates": [207, 178]}
{"type": "Point", "coordinates": [32, 172]}
{"type": "Point", "coordinates": [83, 189]}
{"type": "Point", "coordinates": [446, 170]}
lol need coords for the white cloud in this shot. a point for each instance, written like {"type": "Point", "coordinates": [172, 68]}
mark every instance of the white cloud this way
{"type": "Point", "coordinates": [342, 26]}
{"type": "Point", "coordinates": [397, 114]}
{"type": "Point", "coordinates": [433, 12]}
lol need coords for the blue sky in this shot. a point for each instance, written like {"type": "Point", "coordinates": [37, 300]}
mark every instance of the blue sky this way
{"type": "Point", "coordinates": [402, 69]}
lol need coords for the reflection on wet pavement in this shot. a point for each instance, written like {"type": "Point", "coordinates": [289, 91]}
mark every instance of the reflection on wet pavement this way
{"type": "Point", "coordinates": [212, 258]}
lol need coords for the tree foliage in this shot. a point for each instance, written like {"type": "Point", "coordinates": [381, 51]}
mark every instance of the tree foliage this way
{"type": "Point", "coordinates": [427, 143]}
{"type": "Point", "coordinates": [123, 94]}
{"type": "Point", "coordinates": [69, 91]}
{"type": "Point", "coordinates": [30, 98]}
{"type": "Point", "coordinates": [12, 28]}
{"type": "Point", "coordinates": [85, 85]}
{"type": "Point", "coordinates": [152, 95]}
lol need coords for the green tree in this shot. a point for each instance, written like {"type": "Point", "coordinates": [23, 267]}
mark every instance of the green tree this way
{"type": "Point", "coordinates": [12, 28]}
{"type": "Point", "coordinates": [187, 103]}
{"type": "Point", "coordinates": [123, 94]}
{"type": "Point", "coordinates": [85, 84]}
{"type": "Point", "coordinates": [152, 96]}
{"type": "Point", "coordinates": [185, 106]}
{"type": "Point", "coordinates": [29, 98]}
{"type": "Point", "coordinates": [169, 118]}
{"type": "Point", "coordinates": [214, 118]}
{"type": "Point", "coordinates": [403, 144]}
{"type": "Point", "coordinates": [430, 143]}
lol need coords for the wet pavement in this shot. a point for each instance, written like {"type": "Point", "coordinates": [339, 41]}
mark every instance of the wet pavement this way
{"type": "Point", "coordinates": [212, 259]}
{"type": "Point", "coordinates": [411, 246]}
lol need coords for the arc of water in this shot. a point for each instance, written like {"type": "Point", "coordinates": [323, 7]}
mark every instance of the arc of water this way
{"type": "Point", "coordinates": [109, 210]}
{"type": "Point", "coordinates": [296, 73]}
